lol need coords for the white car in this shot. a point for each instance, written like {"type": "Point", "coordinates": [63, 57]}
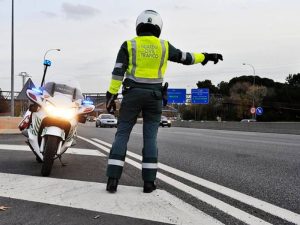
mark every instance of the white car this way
{"type": "Point", "coordinates": [164, 121]}
{"type": "Point", "coordinates": [106, 120]}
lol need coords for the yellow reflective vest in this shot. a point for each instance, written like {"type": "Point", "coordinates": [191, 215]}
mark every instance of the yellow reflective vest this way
{"type": "Point", "coordinates": [148, 57]}
{"type": "Point", "coordinates": [147, 61]}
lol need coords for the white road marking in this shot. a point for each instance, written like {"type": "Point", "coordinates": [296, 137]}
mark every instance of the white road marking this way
{"type": "Point", "coordinates": [83, 151]}
{"type": "Point", "coordinates": [75, 151]}
{"type": "Point", "coordinates": [237, 213]}
{"type": "Point", "coordinates": [158, 206]}
{"type": "Point", "coordinates": [249, 200]}
{"type": "Point", "coordinates": [15, 147]}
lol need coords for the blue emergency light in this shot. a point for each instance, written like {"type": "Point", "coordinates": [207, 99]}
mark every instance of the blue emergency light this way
{"type": "Point", "coordinates": [87, 102]}
{"type": "Point", "coordinates": [47, 62]}
{"type": "Point", "coordinates": [37, 90]}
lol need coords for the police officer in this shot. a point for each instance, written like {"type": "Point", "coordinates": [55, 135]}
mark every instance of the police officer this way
{"type": "Point", "coordinates": [143, 60]}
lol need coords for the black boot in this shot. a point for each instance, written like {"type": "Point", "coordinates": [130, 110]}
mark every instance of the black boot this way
{"type": "Point", "coordinates": [112, 185]}
{"type": "Point", "coordinates": [149, 186]}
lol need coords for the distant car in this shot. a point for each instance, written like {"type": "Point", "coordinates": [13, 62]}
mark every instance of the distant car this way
{"type": "Point", "coordinates": [91, 118]}
{"type": "Point", "coordinates": [106, 120]}
{"type": "Point", "coordinates": [165, 122]}
{"type": "Point", "coordinates": [248, 120]}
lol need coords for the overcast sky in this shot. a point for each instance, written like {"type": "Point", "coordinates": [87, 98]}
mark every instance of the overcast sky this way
{"type": "Point", "coordinates": [264, 33]}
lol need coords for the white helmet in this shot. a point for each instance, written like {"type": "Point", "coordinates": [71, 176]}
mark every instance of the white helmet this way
{"type": "Point", "coordinates": [150, 21]}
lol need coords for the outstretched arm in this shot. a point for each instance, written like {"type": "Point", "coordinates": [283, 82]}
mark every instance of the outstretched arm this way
{"type": "Point", "coordinates": [188, 58]}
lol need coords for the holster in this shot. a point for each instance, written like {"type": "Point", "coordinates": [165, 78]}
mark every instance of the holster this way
{"type": "Point", "coordinates": [164, 92]}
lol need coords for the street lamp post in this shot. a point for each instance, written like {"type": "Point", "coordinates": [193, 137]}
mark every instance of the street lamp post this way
{"type": "Point", "coordinates": [46, 65]}
{"type": "Point", "coordinates": [24, 75]}
{"type": "Point", "coordinates": [253, 115]}
{"type": "Point", "coordinates": [12, 100]}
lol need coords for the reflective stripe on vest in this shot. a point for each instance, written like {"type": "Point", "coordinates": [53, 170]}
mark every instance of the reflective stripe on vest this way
{"type": "Point", "coordinates": [148, 58]}
{"type": "Point", "coordinates": [162, 43]}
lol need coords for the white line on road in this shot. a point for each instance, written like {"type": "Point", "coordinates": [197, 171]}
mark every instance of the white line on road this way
{"type": "Point", "coordinates": [75, 151]}
{"type": "Point", "coordinates": [249, 200]}
{"type": "Point", "coordinates": [265, 206]}
{"type": "Point", "coordinates": [158, 206]}
{"type": "Point", "coordinates": [83, 151]}
{"type": "Point", "coordinates": [235, 212]}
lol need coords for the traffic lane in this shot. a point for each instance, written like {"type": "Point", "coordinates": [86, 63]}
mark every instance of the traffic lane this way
{"type": "Point", "coordinates": [258, 168]}
{"type": "Point", "coordinates": [89, 130]}
{"type": "Point", "coordinates": [78, 167]}
{"type": "Point", "coordinates": [17, 139]}
{"type": "Point", "coordinates": [17, 162]}
{"type": "Point", "coordinates": [27, 212]}
{"type": "Point", "coordinates": [202, 205]}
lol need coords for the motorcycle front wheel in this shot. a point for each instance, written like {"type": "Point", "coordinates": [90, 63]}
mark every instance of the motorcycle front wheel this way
{"type": "Point", "coordinates": [50, 149]}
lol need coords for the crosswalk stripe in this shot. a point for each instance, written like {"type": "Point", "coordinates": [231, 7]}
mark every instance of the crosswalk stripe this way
{"type": "Point", "coordinates": [75, 151]}
{"type": "Point", "coordinates": [158, 206]}
{"type": "Point", "coordinates": [235, 212]}
{"type": "Point", "coordinates": [257, 203]}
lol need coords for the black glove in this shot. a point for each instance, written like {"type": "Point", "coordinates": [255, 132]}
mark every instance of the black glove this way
{"type": "Point", "coordinates": [110, 102]}
{"type": "Point", "coordinates": [165, 94]}
{"type": "Point", "coordinates": [215, 57]}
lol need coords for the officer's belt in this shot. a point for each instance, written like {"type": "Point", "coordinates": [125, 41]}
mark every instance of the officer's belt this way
{"type": "Point", "coordinates": [129, 84]}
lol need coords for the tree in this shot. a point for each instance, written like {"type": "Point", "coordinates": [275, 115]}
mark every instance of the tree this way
{"type": "Point", "coordinates": [207, 84]}
{"type": "Point", "coordinates": [4, 107]}
{"type": "Point", "coordinates": [293, 80]}
{"type": "Point", "coordinates": [240, 95]}
{"type": "Point", "coordinates": [223, 88]}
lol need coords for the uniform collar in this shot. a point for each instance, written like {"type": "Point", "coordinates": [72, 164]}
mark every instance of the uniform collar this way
{"type": "Point", "coordinates": [146, 34]}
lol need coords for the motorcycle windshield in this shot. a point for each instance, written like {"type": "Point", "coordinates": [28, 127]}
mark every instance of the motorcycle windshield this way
{"type": "Point", "coordinates": [63, 91]}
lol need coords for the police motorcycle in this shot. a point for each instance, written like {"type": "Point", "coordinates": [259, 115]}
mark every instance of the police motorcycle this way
{"type": "Point", "coordinates": [51, 121]}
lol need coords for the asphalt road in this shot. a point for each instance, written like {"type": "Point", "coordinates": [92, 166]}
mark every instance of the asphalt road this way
{"type": "Point", "coordinates": [207, 176]}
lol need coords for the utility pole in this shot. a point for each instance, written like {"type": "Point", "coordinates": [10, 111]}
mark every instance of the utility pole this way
{"type": "Point", "coordinates": [253, 104]}
{"type": "Point", "coordinates": [12, 104]}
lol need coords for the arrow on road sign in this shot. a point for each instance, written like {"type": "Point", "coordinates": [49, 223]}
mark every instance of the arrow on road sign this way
{"type": "Point", "coordinates": [259, 111]}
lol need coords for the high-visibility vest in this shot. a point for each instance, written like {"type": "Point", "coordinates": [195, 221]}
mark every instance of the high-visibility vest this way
{"type": "Point", "coordinates": [148, 57]}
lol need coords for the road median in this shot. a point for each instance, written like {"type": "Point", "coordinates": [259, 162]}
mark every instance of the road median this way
{"type": "Point", "coordinates": [265, 127]}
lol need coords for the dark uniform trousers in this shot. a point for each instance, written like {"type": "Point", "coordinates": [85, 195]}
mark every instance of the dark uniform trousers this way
{"type": "Point", "coordinates": [136, 100]}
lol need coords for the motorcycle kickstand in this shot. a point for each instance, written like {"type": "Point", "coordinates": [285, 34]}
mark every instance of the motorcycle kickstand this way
{"type": "Point", "coordinates": [62, 163]}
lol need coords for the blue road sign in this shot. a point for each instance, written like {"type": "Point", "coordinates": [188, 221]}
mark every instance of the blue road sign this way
{"type": "Point", "coordinates": [259, 111]}
{"type": "Point", "coordinates": [176, 96]}
{"type": "Point", "coordinates": [200, 96]}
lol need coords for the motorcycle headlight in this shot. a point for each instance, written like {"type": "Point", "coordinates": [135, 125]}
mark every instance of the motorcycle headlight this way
{"type": "Point", "coordinates": [65, 113]}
